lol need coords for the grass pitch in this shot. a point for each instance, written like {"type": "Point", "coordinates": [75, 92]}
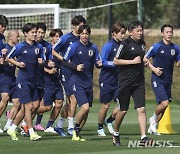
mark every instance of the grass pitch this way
{"type": "Point", "coordinates": [54, 144]}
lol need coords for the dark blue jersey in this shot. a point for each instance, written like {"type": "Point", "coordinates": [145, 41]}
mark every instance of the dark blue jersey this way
{"type": "Point", "coordinates": [83, 54]}
{"type": "Point", "coordinates": [164, 57]}
{"type": "Point", "coordinates": [47, 50]}
{"type": "Point", "coordinates": [7, 74]}
{"type": "Point", "coordinates": [2, 43]}
{"type": "Point", "coordinates": [29, 55]}
{"type": "Point", "coordinates": [2, 46]}
{"type": "Point", "coordinates": [63, 43]}
{"type": "Point", "coordinates": [61, 47]}
{"type": "Point", "coordinates": [10, 69]}
{"type": "Point", "coordinates": [109, 72]}
{"type": "Point", "coordinates": [53, 79]}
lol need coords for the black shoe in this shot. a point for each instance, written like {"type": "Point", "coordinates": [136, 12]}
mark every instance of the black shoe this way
{"type": "Point", "coordinates": [145, 142]}
{"type": "Point", "coordinates": [116, 140]}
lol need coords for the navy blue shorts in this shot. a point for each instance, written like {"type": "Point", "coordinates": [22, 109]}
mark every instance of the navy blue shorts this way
{"type": "Point", "coordinates": [108, 92]}
{"type": "Point", "coordinates": [162, 91]}
{"type": "Point", "coordinates": [67, 84]}
{"type": "Point", "coordinates": [52, 93]}
{"type": "Point", "coordinates": [27, 93]}
{"type": "Point", "coordinates": [83, 95]}
{"type": "Point", "coordinates": [137, 93]}
{"type": "Point", "coordinates": [9, 88]}
{"type": "Point", "coordinates": [40, 92]}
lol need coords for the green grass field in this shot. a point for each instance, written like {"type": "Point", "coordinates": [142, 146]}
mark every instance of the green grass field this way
{"type": "Point", "coordinates": [52, 144]}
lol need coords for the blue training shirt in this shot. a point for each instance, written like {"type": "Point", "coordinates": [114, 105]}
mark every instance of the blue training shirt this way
{"type": "Point", "coordinates": [61, 47]}
{"type": "Point", "coordinates": [83, 54]}
{"type": "Point", "coordinates": [47, 51]}
{"type": "Point", "coordinates": [109, 72]}
{"type": "Point", "coordinates": [164, 57]}
{"type": "Point", "coordinates": [2, 43]}
{"type": "Point", "coordinates": [29, 55]}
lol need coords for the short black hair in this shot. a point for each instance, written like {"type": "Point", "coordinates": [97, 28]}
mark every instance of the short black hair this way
{"type": "Point", "coordinates": [83, 27]}
{"type": "Point", "coordinates": [54, 31]}
{"type": "Point", "coordinates": [76, 20]}
{"type": "Point", "coordinates": [28, 27]}
{"type": "Point", "coordinates": [166, 25]}
{"type": "Point", "coordinates": [3, 20]}
{"type": "Point", "coordinates": [41, 25]}
{"type": "Point", "coordinates": [134, 24]}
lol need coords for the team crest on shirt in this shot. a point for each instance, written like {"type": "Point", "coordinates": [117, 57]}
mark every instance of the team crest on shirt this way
{"type": "Point", "coordinates": [172, 52]}
{"type": "Point", "coordinates": [37, 51]}
{"type": "Point", "coordinates": [90, 53]}
{"type": "Point", "coordinates": [143, 47]}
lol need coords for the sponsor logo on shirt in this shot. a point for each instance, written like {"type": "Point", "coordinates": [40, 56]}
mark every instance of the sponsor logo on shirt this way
{"type": "Point", "coordinates": [162, 51]}
{"type": "Point", "coordinates": [80, 52]}
{"type": "Point", "coordinates": [132, 48]}
{"type": "Point", "coordinates": [25, 51]}
{"type": "Point", "coordinates": [70, 43]}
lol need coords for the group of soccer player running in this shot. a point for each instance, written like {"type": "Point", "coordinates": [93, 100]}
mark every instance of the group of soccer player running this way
{"type": "Point", "coordinates": [64, 67]}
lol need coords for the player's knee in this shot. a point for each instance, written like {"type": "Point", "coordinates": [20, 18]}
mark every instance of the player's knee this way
{"type": "Point", "coordinates": [85, 107]}
{"type": "Point", "coordinates": [58, 104]}
{"type": "Point", "coordinates": [165, 104]}
{"type": "Point", "coordinates": [105, 107]}
{"type": "Point", "coordinates": [48, 108]}
{"type": "Point", "coordinates": [5, 99]}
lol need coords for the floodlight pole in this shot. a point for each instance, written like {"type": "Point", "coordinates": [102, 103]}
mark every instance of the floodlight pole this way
{"type": "Point", "coordinates": [110, 19]}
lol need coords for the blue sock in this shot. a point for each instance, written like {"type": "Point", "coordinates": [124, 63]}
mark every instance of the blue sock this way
{"type": "Point", "coordinates": [50, 123]}
{"type": "Point", "coordinates": [39, 118]}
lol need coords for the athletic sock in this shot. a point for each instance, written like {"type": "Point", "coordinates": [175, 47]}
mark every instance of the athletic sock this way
{"type": "Point", "coordinates": [143, 136]}
{"type": "Point", "coordinates": [39, 118]}
{"type": "Point", "coordinates": [110, 119]}
{"type": "Point", "coordinates": [9, 122]}
{"type": "Point", "coordinates": [13, 127]}
{"type": "Point", "coordinates": [76, 127]}
{"type": "Point", "coordinates": [60, 123]}
{"type": "Point", "coordinates": [100, 126]}
{"type": "Point", "coordinates": [71, 122]}
{"type": "Point", "coordinates": [31, 131]}
{"type": "Point", "coordinates": [50, 123]}
{"type": "Point", "coordinates": [116, 133]}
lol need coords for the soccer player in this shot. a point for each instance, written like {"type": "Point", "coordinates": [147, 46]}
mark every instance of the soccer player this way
{"type": "Point", "coordinates": [130, 59]}
{"type": "Point", "coordinates": [29, 55]}
{"type": "Point", "coordinates": [108, 79]}
{"type": "Point", "coordinates": [47, 49]}
{"type": "Point", "coordinates": [164, 54]}
{"type": "Point", "coordinates": [54, 37]}
{"type": "Point", "coordinates": [9, 90]}
{"type": "Point", "coordinates": [60, 47]}
{"type": "Point", "coordinates": [3, 25]}
{"type": "Point", "coordinates": [86, 53]}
